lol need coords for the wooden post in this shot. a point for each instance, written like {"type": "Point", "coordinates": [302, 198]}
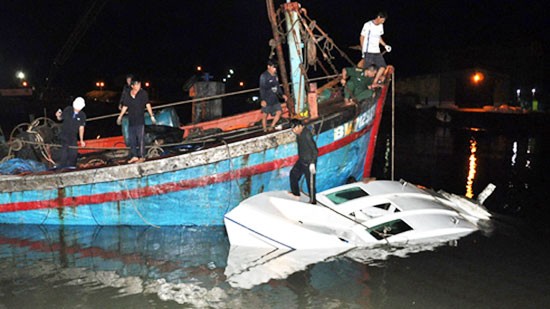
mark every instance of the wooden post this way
{"type": "Point", "coordinates": [280, 56]}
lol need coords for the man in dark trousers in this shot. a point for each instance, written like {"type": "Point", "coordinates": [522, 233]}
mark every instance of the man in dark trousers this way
{"type": "Point", "coordinates": [307, 160]}
{"type": "Point", "coordinates": [135, 102]}
{"type": "Point", "coordinates": [270, 91]}
{"type": "Point", "coordinates": [74, 120]}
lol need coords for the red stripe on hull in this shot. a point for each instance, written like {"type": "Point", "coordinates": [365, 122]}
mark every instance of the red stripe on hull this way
{"type": "Point", "coordinates": [173, 186]}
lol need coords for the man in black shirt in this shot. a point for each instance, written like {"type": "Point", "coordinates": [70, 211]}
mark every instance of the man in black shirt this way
{"type": "Point", "coordinates": [270, 91]}
{"type": "Point", "coordinates": [135, 102]}
{"type": "Point", "coordinates": [307, 160]}
{"type": "Point", "coordinates": [74, 120]}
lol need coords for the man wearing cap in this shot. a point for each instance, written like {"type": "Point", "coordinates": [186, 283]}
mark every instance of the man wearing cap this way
{"type": "Point", "coordinates": [135, 102]}
{"type": "Point", "coordinates": [307, 161]}
{"type": "Point", "coordinates": [370, 40]}
{"type": "Point", "coordinates": [74, 120]}
{"type": "Point", "coordinates": [270, 91]}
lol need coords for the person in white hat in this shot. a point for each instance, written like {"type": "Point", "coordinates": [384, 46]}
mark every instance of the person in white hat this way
{"type": "Point", "coordinates": [72, 129]}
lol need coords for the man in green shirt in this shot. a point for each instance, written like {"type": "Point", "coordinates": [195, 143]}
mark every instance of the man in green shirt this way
{"type": "Point", "coordinates": [358, 83]}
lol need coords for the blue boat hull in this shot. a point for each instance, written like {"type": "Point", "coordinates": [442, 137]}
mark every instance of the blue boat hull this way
{"type": "Point", "coordinates": [197, 188]}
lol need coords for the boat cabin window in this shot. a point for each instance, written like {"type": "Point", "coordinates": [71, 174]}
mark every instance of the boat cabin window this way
{"type": "Point", "coordinates": [343, 196]}
{"type": "Point", "coordinates": [388, 229]}
{"type": "Point", "coordinates": [385, 206]}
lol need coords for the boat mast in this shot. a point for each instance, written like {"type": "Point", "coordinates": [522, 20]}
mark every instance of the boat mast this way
{"type": "Point", "coordinates": [280, 55]}
{"type": "Point", "coordinates": [295, 48]}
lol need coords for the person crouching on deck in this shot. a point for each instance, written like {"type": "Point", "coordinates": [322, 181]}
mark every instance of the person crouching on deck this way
{"type": "Point", "coordinates": [358, 83]}
{"type": "Point", "coordinates": [307, 160]}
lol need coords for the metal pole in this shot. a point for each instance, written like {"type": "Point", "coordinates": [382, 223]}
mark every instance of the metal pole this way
{"type": "Point", "coordinates": [392, 124]}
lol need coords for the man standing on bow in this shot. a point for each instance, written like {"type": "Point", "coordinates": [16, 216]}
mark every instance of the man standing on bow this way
{"type": "Point", "coordinates": [307, 161]}
{"type": "Point", "coordinates": [135, 102]}
{"type": "Point", "coordinates": [74, 120]}
{"type": "Point", "coordinates": [370, 40]}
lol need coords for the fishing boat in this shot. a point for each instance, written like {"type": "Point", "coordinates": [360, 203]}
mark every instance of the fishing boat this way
{"type": "Point", "coordinates": [198, 181]}
{"type": "Point", "coordinates": [354, 215]}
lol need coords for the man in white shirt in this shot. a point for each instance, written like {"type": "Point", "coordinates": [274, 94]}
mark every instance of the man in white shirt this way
{"type": "Point", "coordinates": [371, 39]}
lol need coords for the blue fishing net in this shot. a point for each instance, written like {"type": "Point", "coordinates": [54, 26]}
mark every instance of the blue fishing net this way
{"type": "Point", "coordinates": [18, 166]}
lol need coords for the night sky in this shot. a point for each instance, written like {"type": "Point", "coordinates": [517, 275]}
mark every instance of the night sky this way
{"type": "Point", "coordinates": [164, 41]}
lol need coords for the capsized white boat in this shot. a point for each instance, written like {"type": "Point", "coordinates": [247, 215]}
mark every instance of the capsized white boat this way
{"type": "Point", "coordinates": [354, 215]}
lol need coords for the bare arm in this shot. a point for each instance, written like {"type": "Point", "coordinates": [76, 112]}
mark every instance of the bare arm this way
{"type": "Point", "coordinates": [149, 109]}
{"type": "Point", "coordinates": [123, 111]}
{"type": "Point", "coordinates": [81, 135]}
{"type": "Point", "coordinates": [344, 77]}
{"type": "Point", "coordinates": [382, 42]}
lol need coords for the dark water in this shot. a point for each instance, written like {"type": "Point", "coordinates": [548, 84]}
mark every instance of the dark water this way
{"type": "Point", "coordinates": [503, 266]}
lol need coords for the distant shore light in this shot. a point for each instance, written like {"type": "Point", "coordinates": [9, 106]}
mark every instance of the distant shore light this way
{"type": "Point", "coordinates": [477, 77]}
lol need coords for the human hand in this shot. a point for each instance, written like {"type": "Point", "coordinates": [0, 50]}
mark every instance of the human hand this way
{"type": "Point", "coordinates": [388, 48]}
{"type": "Point", "coordinates": [153, 120]}
{"type": "Point", "coordinates": [82, 144]}
{"type": "Point", "coordinates": [285, 97]}
{"type": "Point", "coordinates": [263, 103]}
{"type": "Point", "coordinates": [312, 168]}
{"type": "Point", "coordinates": [119, 120]}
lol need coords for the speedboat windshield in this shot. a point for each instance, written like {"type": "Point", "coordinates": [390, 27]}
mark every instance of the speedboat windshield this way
{"type": "Point", "coordinates": [345, 195]}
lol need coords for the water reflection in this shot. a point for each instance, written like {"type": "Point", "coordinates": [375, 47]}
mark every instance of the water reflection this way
{"type": "Point", "coordinates": [183, 264]}
{"type": "Point", "coordinates": [472, 166]}
{"type": "Point", "coordinates": [248, 267]}
{"type": "Point", "coordinates": [187, 265]}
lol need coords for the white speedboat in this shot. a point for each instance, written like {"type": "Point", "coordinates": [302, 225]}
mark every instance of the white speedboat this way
{"type": "Point", "coordinates": [353, 215]}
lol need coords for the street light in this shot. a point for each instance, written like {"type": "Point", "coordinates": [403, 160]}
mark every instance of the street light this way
{"type": "Point", "coordinates": [20, 75]}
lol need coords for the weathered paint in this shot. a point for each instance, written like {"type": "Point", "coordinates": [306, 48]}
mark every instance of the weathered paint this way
{"type": "Point", "coordinates": [197, 188]}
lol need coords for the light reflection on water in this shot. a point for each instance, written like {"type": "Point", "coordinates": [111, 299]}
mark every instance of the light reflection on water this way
{"type": "Point", "coordinates": [472, 164]}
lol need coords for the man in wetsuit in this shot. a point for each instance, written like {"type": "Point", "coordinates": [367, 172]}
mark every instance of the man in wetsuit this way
{"type": "Point", "coordinates": [74, 120]}
{"type": "Point", "coordinates": [307, 161]}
